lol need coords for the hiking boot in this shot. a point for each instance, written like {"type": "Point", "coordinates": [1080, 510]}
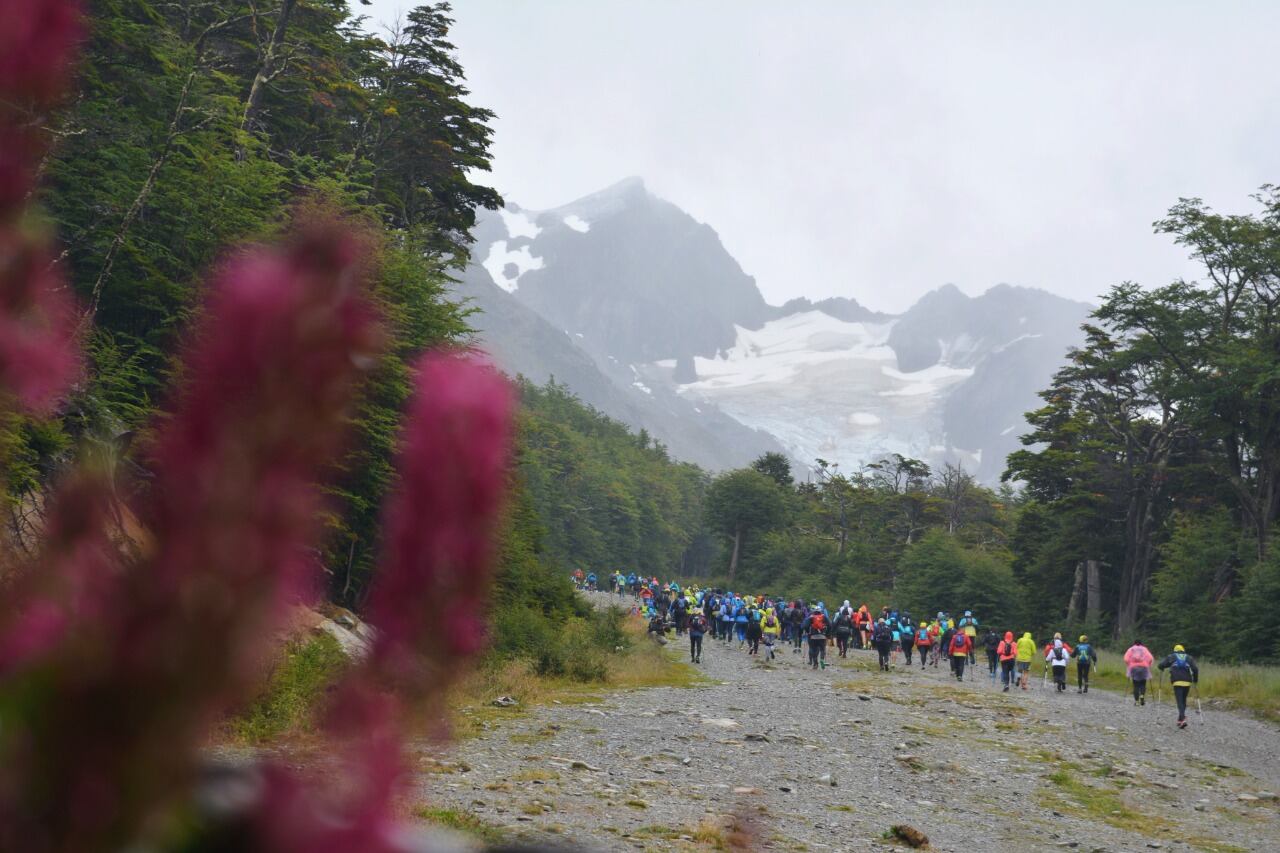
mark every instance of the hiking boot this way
{"type": "Point", "coordinates": [1006, 688]}
{"type": "Point", "coordinates": [1182, 724]}
{"type": "Point", "coordinates": [1142, 701]}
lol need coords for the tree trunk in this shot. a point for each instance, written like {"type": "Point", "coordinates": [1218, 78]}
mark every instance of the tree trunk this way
{"type": "Point", "coordinates": [1077, 593]}
{"type": "Point", "coordinates": [1093, 589]}
{"type": "Point", "coordinates": [1141, 522]}
{"type": "Point", "coordinates": [268, 69]}
{"type": "Point", "coordinates": [737, 546]}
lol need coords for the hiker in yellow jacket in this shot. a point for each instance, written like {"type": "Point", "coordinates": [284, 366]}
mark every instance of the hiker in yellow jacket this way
{"type": "Point", "coordinates": [771, 629]}
{"type": "Point", "coordinates": [1026, 653]}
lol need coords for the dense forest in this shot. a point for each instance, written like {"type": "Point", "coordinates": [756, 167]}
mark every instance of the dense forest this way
{"type": "Point", "coordinates": [1145, 499]}
{"type": "Point", "coordinates": [204, 125]}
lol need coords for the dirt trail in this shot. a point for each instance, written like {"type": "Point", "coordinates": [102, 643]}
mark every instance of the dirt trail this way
{"type": "Point", "coordinates": [829, 760]}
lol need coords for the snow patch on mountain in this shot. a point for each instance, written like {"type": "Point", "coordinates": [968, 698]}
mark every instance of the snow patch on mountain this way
{"type": "Point", "coordinates": [505, 266]}
{"type": "Point", "coordinates": [577, 223]}
{"type": "Point", "coordinates": [829, 389]}
{"type": "Point", "coordinates": [519, 224]}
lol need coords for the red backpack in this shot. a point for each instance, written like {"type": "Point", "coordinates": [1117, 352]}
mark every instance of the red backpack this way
{"type": "Point", "coordinates": [819, 622]}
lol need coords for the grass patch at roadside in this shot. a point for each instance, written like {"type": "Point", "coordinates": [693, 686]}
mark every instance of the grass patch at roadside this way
{"type": "Point", "coordinates": [463, 822]}
{"type": "Point", "coordinates": [641, 663]}
{"type": "Point", "coordinates": [294, 691]}
{"type": "Point", "coordinates": [1072, 795]}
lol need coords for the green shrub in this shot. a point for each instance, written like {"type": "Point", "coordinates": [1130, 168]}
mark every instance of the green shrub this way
{"type": "Point", "coordinates": [294, 691]}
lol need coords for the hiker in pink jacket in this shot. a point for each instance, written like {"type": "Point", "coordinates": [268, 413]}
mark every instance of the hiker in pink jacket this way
{"type": "Point", "coordinates": [1139, 659]}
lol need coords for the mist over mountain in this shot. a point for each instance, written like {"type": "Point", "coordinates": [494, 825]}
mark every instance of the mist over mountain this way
{"type": "Point", "coordinates": [640, 310]}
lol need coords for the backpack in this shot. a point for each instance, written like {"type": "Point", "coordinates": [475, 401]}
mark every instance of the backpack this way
{"type": "Point", "coordinates": [1084, 652]}
{"type": "Point", "coordinates": [771, 620]}
{"type": "Point", "coordinates": [882, 633]}
{"type": "Point", "coordinates": [922, 637]}
{"type": "Point", "coordinates": [1059, 655]}
{"type": "Point", "coordinates": [819, 622]}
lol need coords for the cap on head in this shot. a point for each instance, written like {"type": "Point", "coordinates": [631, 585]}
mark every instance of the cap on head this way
{"type": "Point", "coordinates": [1083, 638]}
{"type": "Point", "coordinates": [1179, 648]}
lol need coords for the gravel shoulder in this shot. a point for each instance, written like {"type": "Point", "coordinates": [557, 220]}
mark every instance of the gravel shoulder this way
{"type": "Point", "coordinates": [831, 759]}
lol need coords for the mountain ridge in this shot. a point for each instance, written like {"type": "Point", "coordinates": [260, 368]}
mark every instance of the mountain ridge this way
{"type": "Point", "coordinates": [659, 305]}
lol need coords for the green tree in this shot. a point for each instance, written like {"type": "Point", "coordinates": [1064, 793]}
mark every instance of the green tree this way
{"type": "Point", "coordinates": [741, 504]}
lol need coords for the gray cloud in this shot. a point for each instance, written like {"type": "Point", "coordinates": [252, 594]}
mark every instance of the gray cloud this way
{"type": "Point", "coordinates": [878, 150]}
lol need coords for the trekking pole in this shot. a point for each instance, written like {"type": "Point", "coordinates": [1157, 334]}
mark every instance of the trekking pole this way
{"type": "Point", "coordinates": [1196, 686]}
{"type": "Point", "coordinates": [1044, 680]}
{"type": "Point", "coordinates": [1160, 687]}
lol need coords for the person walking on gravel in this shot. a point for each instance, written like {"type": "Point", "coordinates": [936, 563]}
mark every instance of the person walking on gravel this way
{"type": "Point", "coordinates": [815, 628]}
{"type": "Point", "coordinates": [1138, 659]}
{"type": "Point", "coordinates": [796, 618]}
{"type": "Point", "coordinates": [844, 630]}
{"type": "Point", "coordinates": [771, 628]}
{"type": "Point", "coordinates": [1058, 657]}
{"type": "Point", "coordinates": [969, 625]}
{"type": "Point", "coordinates": [924, 642]}
{"type": "Point", "coordinates": [1007, 653]}
{"type": "Point", "coordinates": [1026, 652]}
{"type": "Point", "coordinates": [882, 639]}
{"type": "Point", "coordinates": [1183, 673]}
{"type": "Point", "coordinates": [961, 651]}
{"type": "Point", "coordinates": [697, 627]}
{"type": "Point", "coordinates": [1086, 659]}
{"type": "Point", "coordinates": [907, 637]}
{"type": "Point", "coordinates": [990, 644]}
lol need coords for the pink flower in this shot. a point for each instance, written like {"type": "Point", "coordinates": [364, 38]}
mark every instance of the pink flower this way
{"type": "Point", "coordinates": [128, 693]}
{"type": "Point", "coordinates": [37, 48]}
{"type": "Point", "coordinates": [428, 601]}
{"type": "Point", "coordinates": [38, 356]}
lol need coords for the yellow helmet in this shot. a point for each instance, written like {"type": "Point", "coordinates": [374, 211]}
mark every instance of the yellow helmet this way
{"type": "Point", "coordinates": [1083, 638]}
{"type": "Point", "coordinates": [1179, 648]}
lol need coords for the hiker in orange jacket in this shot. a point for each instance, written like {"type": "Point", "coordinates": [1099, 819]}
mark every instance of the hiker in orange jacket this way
{"type": "Point", "coordinates": [1007, 653]}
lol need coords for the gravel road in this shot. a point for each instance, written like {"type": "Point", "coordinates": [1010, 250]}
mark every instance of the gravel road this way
{"type": "Point", "coordinates": [831, 759]}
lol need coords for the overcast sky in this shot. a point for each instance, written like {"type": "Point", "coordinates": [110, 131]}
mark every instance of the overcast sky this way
{"type": "Point", "coordinates": [879, 150]}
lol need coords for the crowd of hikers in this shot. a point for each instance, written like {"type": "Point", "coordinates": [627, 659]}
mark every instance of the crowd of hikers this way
{"type": "Point", "coordinates": [764, 625]}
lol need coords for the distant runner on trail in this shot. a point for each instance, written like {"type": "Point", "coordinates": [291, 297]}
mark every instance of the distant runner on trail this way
{"type": "Point", "coordinates": [697, 627]}
{"type": "Point", "coordinates": [1183, 673]}
{"type": "Point", "coordinates": [924, 642]}
{"type": "Point", "coordinates": [1026, 651]}
{"type": "Point", "coordinates": [1007, 653]}
{"type": "Point", "coordinates": [1138, 659]}
{"type": "Point", "coordinates": [771, 626]}
{"type": "Point", "coordinates": [882, 639]}
{"type": "Point", "coordinates": [815, 628]}
{"type": "Point", "coordinates": [1086, 658]}
{"type": "Point", "coordinates": [961, 651]}
{"type": "Point", "coordinates": [969, 625]}
{"type": "Point", "coordinates": [1058, 657]}
{"type": "Point", "coordinates": [990, 643]}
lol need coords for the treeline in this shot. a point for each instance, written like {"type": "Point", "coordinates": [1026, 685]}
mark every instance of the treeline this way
{"type": "Point", "coordinates": [199, 125]}
{"type": "Point", "coordinates": [1153, 469]}
{"type": "Point", "coordinates": [893, 532]}
{"type": "Point", "coordinates": [587, 494]}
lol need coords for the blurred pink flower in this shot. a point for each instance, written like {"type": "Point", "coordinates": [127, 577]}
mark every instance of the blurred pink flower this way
{"type": "Point", "coordinates": [429, 599]}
